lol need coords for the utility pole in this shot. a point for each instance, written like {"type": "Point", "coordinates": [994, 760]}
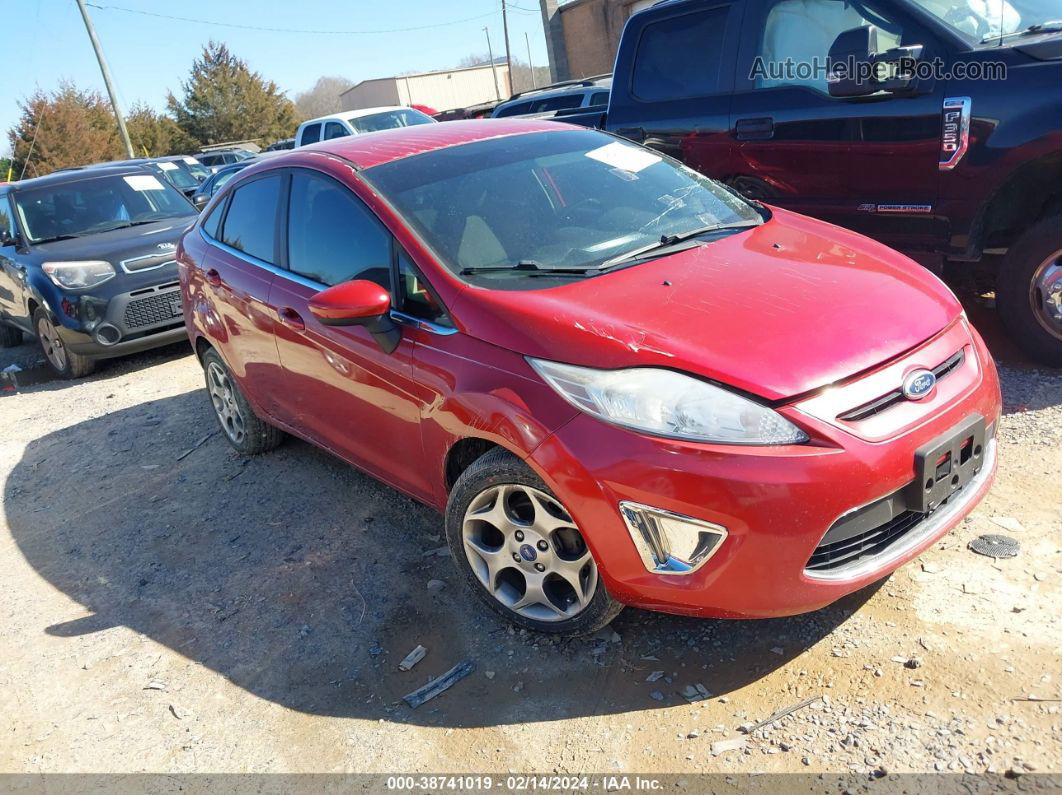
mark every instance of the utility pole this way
{"type": "Point", "coordinates": [530, 63]}
{"type": "Point", "coordinates": [508, 57]}
{"type": "Point", "coordinates": [493, 69]}
{"type": "Point", "coordinates": [124, 133]}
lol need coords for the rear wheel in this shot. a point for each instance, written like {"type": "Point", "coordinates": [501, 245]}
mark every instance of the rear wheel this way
{"type": "Point", "coordinates": [243, 429]}
{"type": "Point", "coordinates": [61, 359]}
{"type": "Point", "coordinates": [1029, 291]}
{"type": "Point", "coordinates": [521, 552]}
{"type": "Point", "coordinates": [9, 336]}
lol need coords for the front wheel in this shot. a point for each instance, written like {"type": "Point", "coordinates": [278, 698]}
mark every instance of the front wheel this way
{"type": "Point", "coordinates": [521, 552]}
{"type": "Point", "coordinates": [1029, 291]}
{"type": "Point", "coordinates": [61, 359]}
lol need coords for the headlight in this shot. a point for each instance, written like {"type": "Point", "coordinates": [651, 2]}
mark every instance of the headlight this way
{"type": "Point", "coordinates": [79, 275]}
{"type": "Point", "coordinates": [666, 403]}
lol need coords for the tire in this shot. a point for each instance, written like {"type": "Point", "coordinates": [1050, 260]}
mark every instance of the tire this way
{"type": "Point", "coordinates": [63, 362]}
{"type": "Point", "coordinates": [242, 428]}
{"type": "Point", "coordinates": [536, 529]}
{"type": "Point", "coordinates": [10, 336]}
{"type": "Point", "coordinates": [1031, 268]}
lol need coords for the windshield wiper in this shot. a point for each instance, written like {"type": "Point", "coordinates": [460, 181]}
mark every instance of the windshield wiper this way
{"type": "Point", "coordinates": [530, 267]}
{"type": "Point", "coordinates": [53, 239]}
{"type": "Point", "coordinates": [668, 242]}
{"type": "Point", "coordinates": [1051, 26]}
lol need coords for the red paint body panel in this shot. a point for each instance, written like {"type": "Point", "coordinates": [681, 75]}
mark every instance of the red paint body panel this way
{"type": "Point", "coordinates": [815, 318]}
{"type": "Point", "coordinates": [775, 322]}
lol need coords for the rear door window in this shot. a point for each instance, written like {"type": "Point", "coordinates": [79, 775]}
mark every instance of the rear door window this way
{"type": "Point", "coordinates": [557, 103]}
{"type": "Point", "coordinates": [311, 134]}
{"type": "Point", "coordinates": [515, 110]}
{"type": "Point", "coordinates": [251, 221]}
{"type": "Point", "coordinates": [681, 57]}
{"type": "Point", "coordinates": [598, 98]}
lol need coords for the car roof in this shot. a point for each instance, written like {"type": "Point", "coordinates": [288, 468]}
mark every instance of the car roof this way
{"type": "Point", "coordinates": [346, 115]}
{"type": "Point", "coordinates": [376, 148]}
{"type": "Point", "coordinates": [77, 174]}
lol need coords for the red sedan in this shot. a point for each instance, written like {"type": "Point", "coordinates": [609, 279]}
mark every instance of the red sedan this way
{"type": "Point", "coordinates": [622, 383]}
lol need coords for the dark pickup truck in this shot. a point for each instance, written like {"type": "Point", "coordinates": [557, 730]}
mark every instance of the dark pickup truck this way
{"type": "Point", "coordinates": [934, 126]}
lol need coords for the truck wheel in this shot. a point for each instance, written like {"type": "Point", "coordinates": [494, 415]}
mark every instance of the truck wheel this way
{"type": "Point", "coordinates": [9, 336]}
{"type": "Point", "coordinates": [520, 551]}
{"type": "Point", "coordinates": [1029, 291]}
{"type": "Point", "coordinates": [243, 429]}
{"type": "Point", "coordinates": [62, 360]}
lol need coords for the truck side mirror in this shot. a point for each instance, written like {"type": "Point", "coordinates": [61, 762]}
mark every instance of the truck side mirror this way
{"type": "Point", "coordinates": [851, 63]}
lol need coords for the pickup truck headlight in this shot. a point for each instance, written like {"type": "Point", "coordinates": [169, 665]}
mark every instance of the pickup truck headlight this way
{"type": "Point", "coordinates": [79, 275]}
{"type": "Point", "coordinates": [666, 403]}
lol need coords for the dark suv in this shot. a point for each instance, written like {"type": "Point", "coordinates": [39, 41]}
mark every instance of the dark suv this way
{"type": "Point", "coordinates": [87, 264]}
{"type": "Point", "coordinates": [950, 152]}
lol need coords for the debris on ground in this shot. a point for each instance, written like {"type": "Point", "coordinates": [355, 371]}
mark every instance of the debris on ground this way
{"type": "Point", "coordinates": [995, 546]}
{"type": "Point", "coordinates": [733, 744]}
{"type": "Point", "coordinates": [412, 658]}
{"type": "Point", "coordinates": [155, 684]}
{"type": "Point", "coordinates": [747, 728]}
{"type": "Point", "coordinates": [436, 585]}
{"type": "Point", "coordinates": [1009, 523]}
{"type": "Point", "coordinates": [654, 676]}
{"type": "Point", "coordinates": [440, 685]}
{"type": "Point", "coordinates": [203, 440]}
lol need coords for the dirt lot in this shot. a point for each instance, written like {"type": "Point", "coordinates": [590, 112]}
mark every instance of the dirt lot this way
{"type": "Point", "coordinates": [172, 611]}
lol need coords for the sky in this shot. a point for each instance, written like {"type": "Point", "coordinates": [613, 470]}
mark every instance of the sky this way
{"type": "Point", "coordinates": [150, 55]}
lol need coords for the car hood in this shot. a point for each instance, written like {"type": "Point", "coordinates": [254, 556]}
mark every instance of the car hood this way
{"type": "Point", "coordinates": [776, 311]}
{"type": "Point", "coordinates": [119, 244]}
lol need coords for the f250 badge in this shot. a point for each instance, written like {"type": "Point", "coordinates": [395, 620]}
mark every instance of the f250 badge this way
{"type": "Point", "coordinates": [955, 131]}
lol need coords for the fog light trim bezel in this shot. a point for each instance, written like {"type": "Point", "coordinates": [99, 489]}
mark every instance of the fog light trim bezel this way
{"type": "Point", "coordinates": [661, 560]}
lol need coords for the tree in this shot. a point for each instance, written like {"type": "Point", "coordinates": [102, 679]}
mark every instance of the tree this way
{"type": "Point", "coordinates": [154, 134]}
{"type": "Point", "coordinates": [69, 127]}
{"type": "Point", "coordinates": [225, 101]}
{"type": "Point", "coordinates": [323, 98]}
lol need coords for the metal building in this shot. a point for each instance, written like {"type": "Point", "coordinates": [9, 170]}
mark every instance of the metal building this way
{"type": "Point", "coordinates": [443, 90]}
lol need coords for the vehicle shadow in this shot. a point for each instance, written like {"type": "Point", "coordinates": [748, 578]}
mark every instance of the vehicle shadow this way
{"type": "Point", "coordinates": [305, 582]}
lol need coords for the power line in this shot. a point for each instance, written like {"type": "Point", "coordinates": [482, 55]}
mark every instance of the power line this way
{"type": "Point", "coordinates": [287, 30]}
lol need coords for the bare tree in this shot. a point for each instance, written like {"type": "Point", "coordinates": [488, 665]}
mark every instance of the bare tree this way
{"type": "Point", "coordinates": [323, 98]}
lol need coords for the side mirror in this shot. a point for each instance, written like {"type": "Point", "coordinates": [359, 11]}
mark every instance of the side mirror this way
{"type": "Point", "coordinates": [200, 200]}
{"type": "Point", "coordinates": [358, 303]}
{"type": "Point", "coordinates": [856, 69]}
{"type": "Point", "coordinates": [851, 62]}
{"type": "Point", "coordinates": [6, 239]}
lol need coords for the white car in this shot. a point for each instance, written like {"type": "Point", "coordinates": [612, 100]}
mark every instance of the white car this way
{"type": "Point", "coordinates": [352, 122]}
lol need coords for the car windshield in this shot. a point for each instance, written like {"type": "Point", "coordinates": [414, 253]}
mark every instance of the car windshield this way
{"type": "Point", "coordinates": [87, 206]}
{"type": "Point", "coordinates": [388, 120]}
{"type": "Point", "coordinates": [996, 21]}
{"type": "Point", "coordinates": [554, 200]}
{"type": "Point", "coordinates": [177, 173]}
{"type": "Point", "coordinates": [195, 168]}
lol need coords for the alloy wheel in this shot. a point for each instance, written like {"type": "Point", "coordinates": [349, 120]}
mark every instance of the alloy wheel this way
{"type": "Point", "coordinates": [223, 396]}
{"type": "Point", "coordinates": [52, 344]}
{"type": "Point", "coordinates": [526, 550]}
{"type": "Point", "coordinates": [1045, 294]}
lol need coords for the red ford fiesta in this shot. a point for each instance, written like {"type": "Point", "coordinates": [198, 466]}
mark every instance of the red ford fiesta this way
{"type": "Point", "coordinates": [622, 383]}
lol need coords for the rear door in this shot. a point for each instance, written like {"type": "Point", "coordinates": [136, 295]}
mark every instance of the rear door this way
{"type": "Point", "coordinates": [868, 163]}
{"type": "Point", "coordinates": [345, 392]}
{"type": "Point", "coordinates": [237, 270]}
{"type": "Point", "coordinates": [677, 68]}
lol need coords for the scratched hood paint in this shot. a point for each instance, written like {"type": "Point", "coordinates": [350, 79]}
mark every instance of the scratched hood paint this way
{"type": "Point", "coordinates": [782, 309]}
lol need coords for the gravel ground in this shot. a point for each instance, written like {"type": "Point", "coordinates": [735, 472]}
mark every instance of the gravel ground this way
{"type": "Point", "coordinates": [169, 607]}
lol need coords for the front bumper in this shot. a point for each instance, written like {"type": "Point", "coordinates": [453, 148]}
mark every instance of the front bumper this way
{"type": "Point", "coordinates": [124, 323]}
{"type": "Point", "coordinates": [776, 503]}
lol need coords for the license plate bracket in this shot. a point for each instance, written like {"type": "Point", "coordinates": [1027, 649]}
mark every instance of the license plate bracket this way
{"type": "Point", "coordinates": [946, 464]}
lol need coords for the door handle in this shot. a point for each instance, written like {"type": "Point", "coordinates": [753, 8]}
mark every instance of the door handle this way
{"type": "Point", "coordinates": [290, 318]}
{"type": "Point", "coordinates": [760, 129]}
{"type": "Point", "coordinates": [213, 278]}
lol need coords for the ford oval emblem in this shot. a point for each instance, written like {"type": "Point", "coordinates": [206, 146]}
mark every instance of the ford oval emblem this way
{"type": "Point", "coordinates": [527, 552]}
{"type": "Point", "coordinates": [918, 384]}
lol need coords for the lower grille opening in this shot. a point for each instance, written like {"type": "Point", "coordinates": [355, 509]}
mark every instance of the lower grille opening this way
{"type": "Point", "coordinates": [865, 545]}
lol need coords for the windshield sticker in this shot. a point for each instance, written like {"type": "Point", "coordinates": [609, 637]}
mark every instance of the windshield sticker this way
{"type": "Point", "coordinates": [624, 157]}
{"type": "Point", "coordinates": [143, 182]}
{"type": "Point", "coordinates": [168, 166]}
{"type": "Point", "coordinates": [191, 161]}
